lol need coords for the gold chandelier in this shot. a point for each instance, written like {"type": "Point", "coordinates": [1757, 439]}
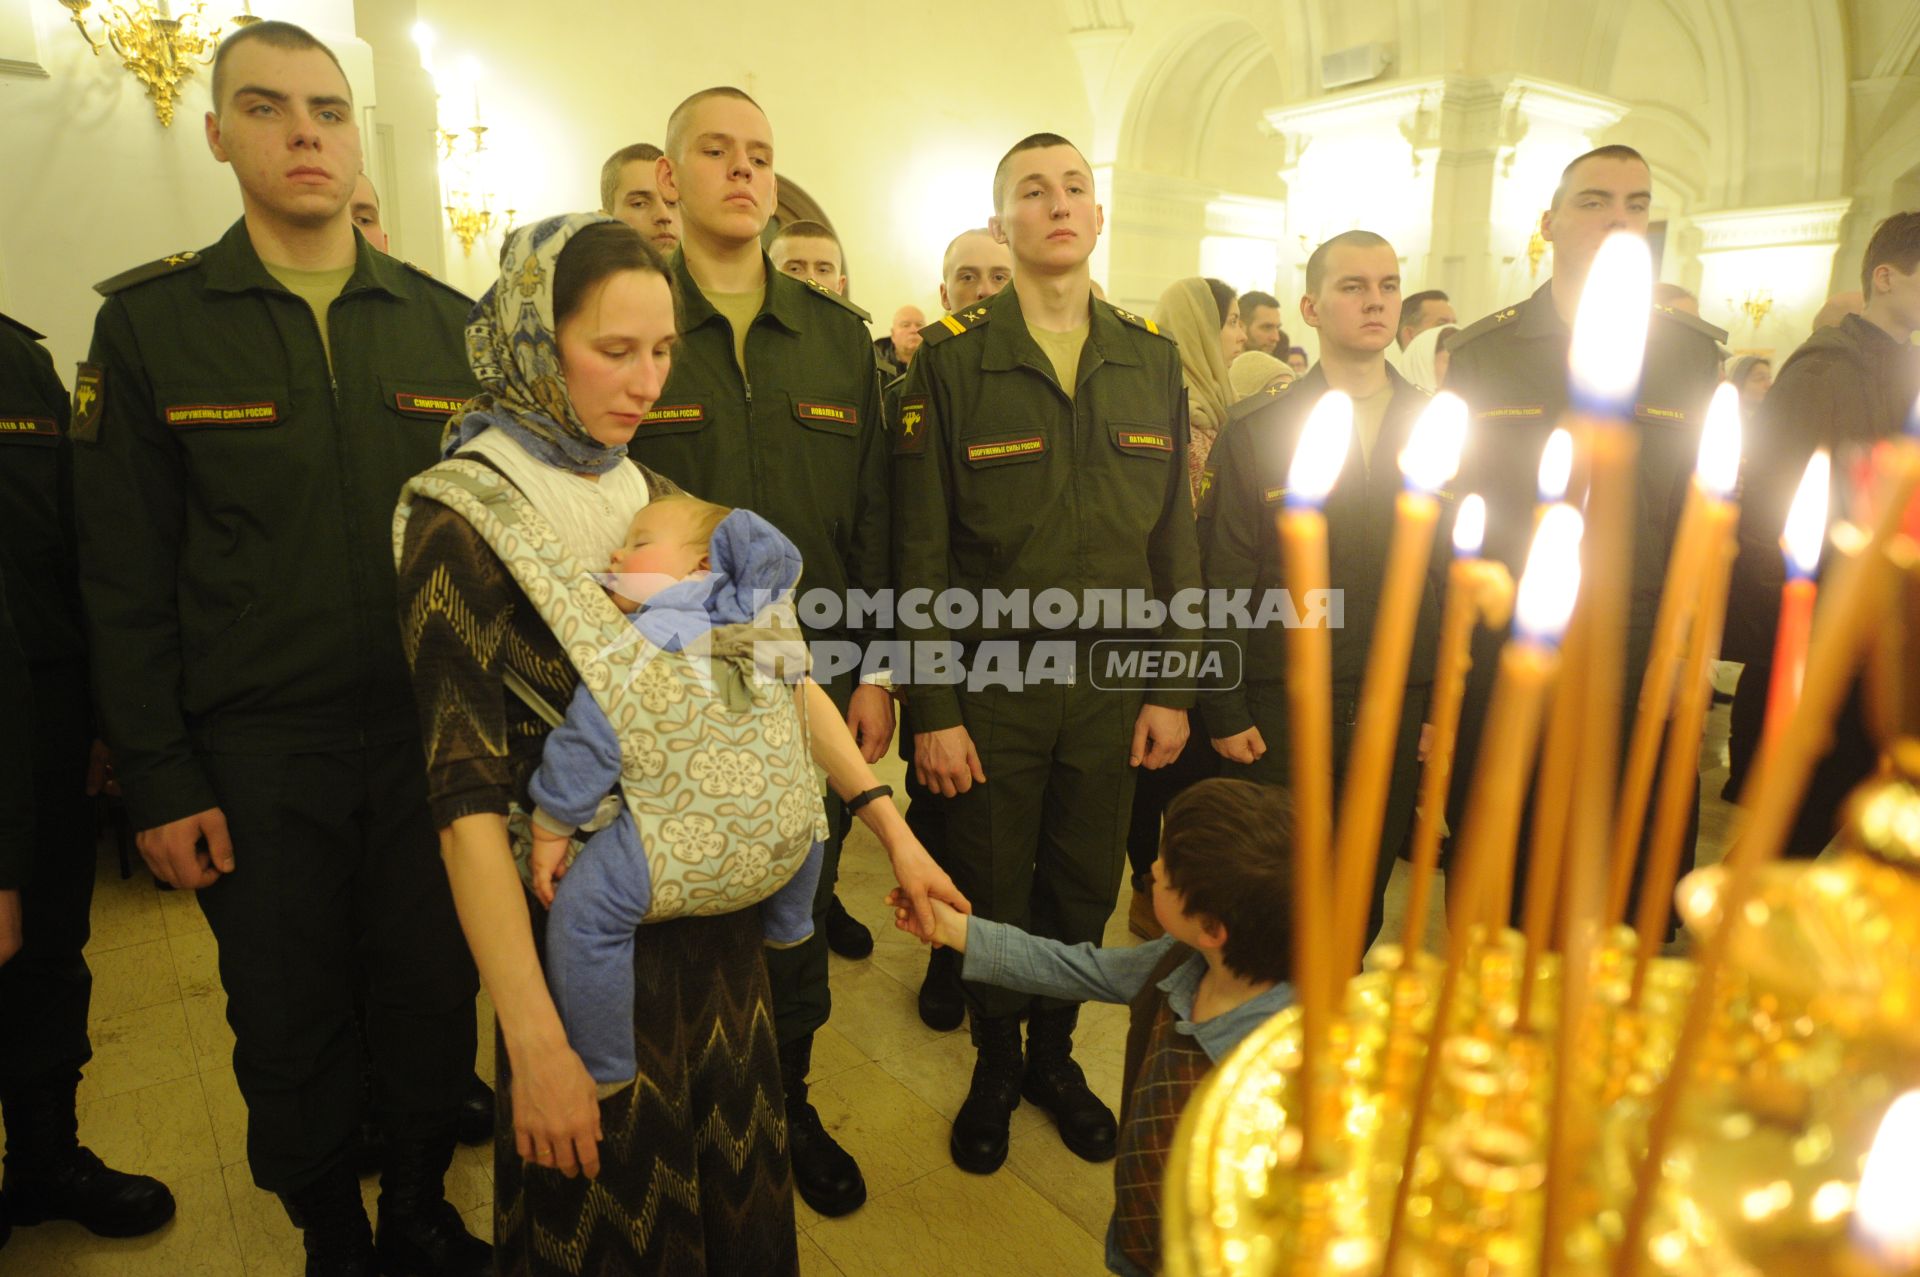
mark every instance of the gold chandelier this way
{"type": "Point", "coordinates": [159, 49]}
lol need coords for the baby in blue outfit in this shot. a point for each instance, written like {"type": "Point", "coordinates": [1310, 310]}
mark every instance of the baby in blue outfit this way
{"type": "Point", "coordinates": [686, 568]}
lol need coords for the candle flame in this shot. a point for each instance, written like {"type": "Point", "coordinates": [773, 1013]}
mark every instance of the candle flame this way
{"type": "Point", "coordinates": [1432, 454]}
{"type": "Point", "coordinates": [1610, 327]}
{"type": "Point", "coordinates": [1551, 581]}
{"type": "Point", "coordinates": [423, 37]}
{"type": "Point", "coordinates": [1556, 464]}
{"type": "Point", "coordinates": [1913, 419]}
{"type": "Point", "coordinates": [1470, 526]}
{"type": "Point", "coordinates": [1719, 465]}
{"type": "Point", "coordinates": [1885, 1209]}
{"type": "Point", "coordinates": [1807, 517]}
{"type": "Point", "coordinates": [1322, 450]}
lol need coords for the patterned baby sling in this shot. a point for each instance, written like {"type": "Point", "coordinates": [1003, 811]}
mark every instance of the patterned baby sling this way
{"type": "Point", "coordinates": [716, 766]}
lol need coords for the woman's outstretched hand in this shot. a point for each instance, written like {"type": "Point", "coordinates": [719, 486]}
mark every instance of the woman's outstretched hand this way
{"type": "Point", "coordinates": [922, 881]}
{"type": "Point", "coordinates": [556, 1112]}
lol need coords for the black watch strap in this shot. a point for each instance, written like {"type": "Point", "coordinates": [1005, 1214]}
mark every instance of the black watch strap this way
{"type": "Point", "coordinates": [855, 803]}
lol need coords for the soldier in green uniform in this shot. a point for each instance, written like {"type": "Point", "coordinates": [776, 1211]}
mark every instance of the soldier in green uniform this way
{"type": "Point", "coordinates": [1353, 302]}
{"type": "Point", "coordinates": [1041, 445]}
{"type": "Point", "coordinates": [1511, 368]}
{"type": "Point", "coordinates": [244, 424]}
{"type": "Point", "coordinates": [773, 405]}
{"type": "Point", "coordinates": [975, 267]}
{"type": "Point", "coordinates": [45, 989]}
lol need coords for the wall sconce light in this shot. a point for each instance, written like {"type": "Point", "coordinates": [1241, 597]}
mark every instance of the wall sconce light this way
{"type": "Point", "coordinates": [160, 50]}
{"type": "Point", "coordinates": [464, 159]}
{"type": "Point", "coordinates": [1758, 304]}
{"type": "Point", "coordinates": [1536, 253]}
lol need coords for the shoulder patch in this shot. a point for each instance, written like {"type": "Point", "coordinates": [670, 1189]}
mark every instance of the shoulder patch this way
{"type": "Point", "coordinates": [89, 399]}
{"type": "Point", "coordinates": [1481, 327]}
{"type": "Point", "coordinates": [1717, 335]}
{"type": "Point", "coordinates": [910, 435]}
{"type": "Point", "coordinates": [168, 265]}
{"type": "Point", "coordinates": [428, 275]}
{"type": "Point", "coordinates": [10, 322]}
{"type": "Point", "coordinates": [952, 325]}
{"type": "Point", "coordinates": [1138, 321]}
{"type": "Point", "coordinates": [816, 288]}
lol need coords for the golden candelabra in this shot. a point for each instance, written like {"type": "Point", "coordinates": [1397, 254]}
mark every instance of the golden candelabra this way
{"type": "Point", "coordinates": [160, 50]}
{"type": "Point", "coordinates": [1756, 306]}
{"type": "Point", "coordinates": [473, 220]}
{"type": "Point", "coordinates": [1536, 253]}
{"type": "Point", "coordinates": [1592, 1108]}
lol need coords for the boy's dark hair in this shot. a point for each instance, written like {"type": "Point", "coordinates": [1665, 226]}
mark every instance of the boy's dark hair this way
{"type": "Point", "coordinates": [1227, 846]}
{"type": "Point", "coordinates": [595, 253]}
{"type": "Point", "coordinates": [1031, 142]}
{"type": "Point", "coordinates": [278, 35]}
{"type": "Point", "coordinates": [1410, 304]}
{"type": "Point", "coordinates": [806, 228]}
{"type": "Point", "coordinates": [610, 171]}
{"type": "Point", "coordinates": [1253, 300]}
{"type": "Point", "coordinates": [1317, 260]}
{"type": "Point", "coordinates": [1895, 243]}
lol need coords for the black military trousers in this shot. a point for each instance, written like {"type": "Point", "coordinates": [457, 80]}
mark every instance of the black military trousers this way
{"type": "Point", "coordinates": [926, 809]}
{"type": "Point", "coordinates": [337, 890]}
{"type": "Point", "coordinates": [1267, 702]}
{"type": "Point", "coordinates": [1042, 843]}
{"type": "Point", "coordinates": [802, 1000]}
{"type": "Point", "coordinates": [45, 989]}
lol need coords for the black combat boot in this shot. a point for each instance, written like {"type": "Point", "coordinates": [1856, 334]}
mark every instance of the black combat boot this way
{"type": "Point", "coordinates": [824, 1174]}
{"type": "Point", "coordinates": [979, 1141]}
{"type": "Point", "coordinates": [846, 935]}
{"type": "Point", "coordinates": [420, 1233]}
{"type": "Point", "coordinates": [1055, 1083]}
{"type": "Point", "coordinates": [50, 1176]}
{"type": "Point", "coordinates": [333, 1225]}
{"type": "Point", "coordinates": [942, 1006]}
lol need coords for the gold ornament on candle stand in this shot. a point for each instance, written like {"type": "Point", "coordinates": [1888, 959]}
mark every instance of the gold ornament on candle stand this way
{"type": "Point", "coordinates": [160, 50]}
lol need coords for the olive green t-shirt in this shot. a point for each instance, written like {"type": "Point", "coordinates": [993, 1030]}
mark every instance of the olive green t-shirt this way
{"type": "Point", "coordinates": [1368, 413]}
{"type": "Point", "coordinates": [1063, 352]}
{"type": "Point", "coordinates": [317, 288]}
{"type": "Point", "coordinates": [739, 310]}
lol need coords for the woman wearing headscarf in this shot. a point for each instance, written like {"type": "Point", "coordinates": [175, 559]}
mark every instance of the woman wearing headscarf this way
{"type": "Point", "coordinates": [1424, 363]}
{"type": "Point", "coordinates": [685, 1170]}
{"type": "Point", "coordinates": [1203, 318]}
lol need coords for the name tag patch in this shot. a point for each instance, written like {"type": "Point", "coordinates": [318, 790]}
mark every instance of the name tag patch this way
{"type": "Point", "coordinates": [1145, 439]}
{"type": "Point", "coordinates": [1514, 412]}
{"type": "Point", "coordinates": [1008, 448]}
{"type": "Point", "coordinates": [664, 414]}
{"type": "Point", "coordinates": [1676, 415]}
{"type": "Point", "coordinates": [1271, 495]}
{"type": "Point", "coordinates": [427, 405]}
{"type": "Point", "coordinates": [28, 430]}
{"type": "Point", "coordinates": [827, 412]}
{"type": "Point", "coordinates": [187, 416]}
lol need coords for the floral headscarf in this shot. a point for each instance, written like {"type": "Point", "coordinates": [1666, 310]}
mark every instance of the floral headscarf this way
{"type": "Point", "coordinates": [515, 356]}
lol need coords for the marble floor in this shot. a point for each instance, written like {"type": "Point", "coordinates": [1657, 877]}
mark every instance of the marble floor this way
{"type": "Point", "coordinates": [160, 1098]}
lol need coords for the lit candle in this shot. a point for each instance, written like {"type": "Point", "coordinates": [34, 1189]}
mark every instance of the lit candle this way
{"type": "Point", "coordinates": [1679, 779]}
{"type": "Point", "coordinates": [423, 39]}
{"type": "Point", "coordinates": [1848, 619]}
{"type": "Point", "coordinates": [1713, 481]}
{"type": "Point", "coordinates": [1431, 457]}
{"type": "Point", "coordinates": [1528, 664]}
{"type": "Point", "coordinates": [1302, 530]}
{"type": "Point", "coordinates": [1806, 529]}
{"type": "Point", "coordinates": [1552, 795]}
{"type": "Point", "coordinates": [1477, 590]}
{"type": "Point", "coordinates": [1556, 467]}
{"type": "Point", "coordinates": [1884, 1217]}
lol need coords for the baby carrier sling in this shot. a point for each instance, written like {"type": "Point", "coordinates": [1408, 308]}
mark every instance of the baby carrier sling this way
{"type": "Point", "coordinates": [715, 765]}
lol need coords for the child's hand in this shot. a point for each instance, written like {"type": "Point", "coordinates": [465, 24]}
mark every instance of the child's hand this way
{"type": "Point", "coordinates": [549, 862]}
{"type": "Point", "coordinates": [949, 925]}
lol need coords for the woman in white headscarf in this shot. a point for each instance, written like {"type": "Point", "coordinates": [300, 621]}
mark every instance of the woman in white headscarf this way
{"type": "Point", "coordinates": [1203, 318]}
{"type": "Point", "coordinates": [1424, 363]}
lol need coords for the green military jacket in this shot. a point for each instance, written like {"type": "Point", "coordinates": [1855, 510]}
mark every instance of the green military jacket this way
{"type": "Point", "coordinates": [236, 498]}
{"type": "Point", "coordinates": [1003, 483]}
{"type": "Point", "coordinates": [37, 541]}
{"type": "Point", "coordinates": [1244, 488]}
{"type": "Point", "coordinates": [799, 439]}
{"type": "Point", "coordinates": [1511, 368]}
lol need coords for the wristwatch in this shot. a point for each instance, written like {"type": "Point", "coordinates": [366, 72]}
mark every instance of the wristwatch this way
{"type": "Point", "coordinates": [855, 803]}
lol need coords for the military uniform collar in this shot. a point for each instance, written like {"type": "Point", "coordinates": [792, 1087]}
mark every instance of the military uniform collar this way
{"type": "Point", "coordinates": [1011, 343]}
{"type": "Point", "coordinates": [233, 266]}
{"type": "Point", "coordinates": [1538, 318]}
{"type": "Point", "coordinates": [784, 299]}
